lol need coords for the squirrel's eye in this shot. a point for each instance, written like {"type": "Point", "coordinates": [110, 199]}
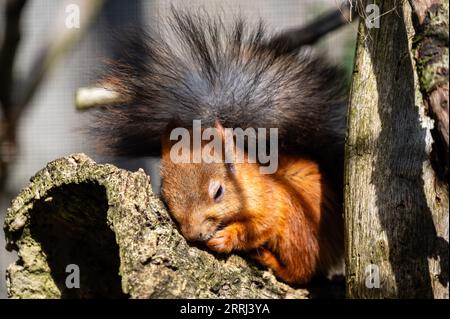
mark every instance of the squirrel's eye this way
{"type": "Point", "coordinates": [216, 191]}
{"type": "Point", "coordinates": [219, 194]}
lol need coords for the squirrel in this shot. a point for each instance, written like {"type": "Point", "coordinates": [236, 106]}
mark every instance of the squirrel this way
{"type": "Point", "coordinates": [288, 221]}
{"type": "Point", "coordinates": [231, 76]}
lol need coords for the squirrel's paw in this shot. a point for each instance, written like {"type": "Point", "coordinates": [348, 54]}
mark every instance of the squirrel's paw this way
{"type": "Point", "coordinates": [223, 241]}
{"type": "Point", "coordinates": [266, 258]}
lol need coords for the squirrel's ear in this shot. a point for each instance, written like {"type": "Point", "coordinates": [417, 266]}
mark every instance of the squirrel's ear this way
{"type": "Point", "coordinates": [223, 132]}
{"type": "Point", "coordinates": [218, 126]}
{"type": "Point", "coordinates": [166, 142]}
{"type": "Point", "coordinates": [229, 147]}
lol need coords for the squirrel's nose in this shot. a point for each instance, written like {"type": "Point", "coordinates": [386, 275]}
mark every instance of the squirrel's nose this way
{"type": "Point", "coordinates": [189, 234]}
{"type": "Point", "coordinates": [200, 237]}
{"type": "Point", "coordinates": [195, 231]}
{"type": "Point", "coordinates": [204, 236]}
{"type": "Point", "coordinates": [195, 236]}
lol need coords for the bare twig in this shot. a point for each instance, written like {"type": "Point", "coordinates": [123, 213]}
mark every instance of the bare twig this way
{"type": "Point", "coordinates": [293, 39]}
{"type": "Point", "coordinates": [431, 22]}
{"type": "Point", "coordinates": [86, 98]}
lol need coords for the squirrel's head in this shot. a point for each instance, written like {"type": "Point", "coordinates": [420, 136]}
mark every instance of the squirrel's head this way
{"type": "Point", "coordinates": [202, 197]}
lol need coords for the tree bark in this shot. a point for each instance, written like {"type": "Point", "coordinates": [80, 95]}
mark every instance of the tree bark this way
{"type": "Point", "coordinates": [396, 209]}
{"type": "Point", "coordinates": [107, 223]}
{"type": "Point", "coordinates": [431, 55]}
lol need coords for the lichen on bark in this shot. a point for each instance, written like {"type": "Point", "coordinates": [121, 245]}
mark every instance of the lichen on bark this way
{"type": "Point", "coordinates": [431, 47]}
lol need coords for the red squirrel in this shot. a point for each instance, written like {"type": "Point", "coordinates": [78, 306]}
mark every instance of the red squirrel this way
{"type": "Point", "coordinates": [230, 76]}
{"type": "Point", "coordinates": [288, 221]}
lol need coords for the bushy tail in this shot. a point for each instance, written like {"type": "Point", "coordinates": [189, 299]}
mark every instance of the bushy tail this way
{"type": "Point", "coordinates": [200, 69]}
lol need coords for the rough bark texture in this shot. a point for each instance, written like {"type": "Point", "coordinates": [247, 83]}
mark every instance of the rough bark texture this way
{"type": "Point", "coordinates": [109, 223]}
{"type": "Point", "coordinates": [431, 54]}
{"type": "Point", "coordinates": [396, 209]}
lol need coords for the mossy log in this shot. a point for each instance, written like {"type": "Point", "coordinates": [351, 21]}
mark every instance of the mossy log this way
{"type": "Point", "coordinates": [108, 222]}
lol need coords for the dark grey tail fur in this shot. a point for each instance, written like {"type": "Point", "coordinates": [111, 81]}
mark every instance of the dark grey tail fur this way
{"type": "Point", "coordinates": [201, 69]}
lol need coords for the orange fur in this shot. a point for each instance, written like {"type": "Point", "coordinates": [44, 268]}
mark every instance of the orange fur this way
{"type": "Point", "coordinates": [289, 221]}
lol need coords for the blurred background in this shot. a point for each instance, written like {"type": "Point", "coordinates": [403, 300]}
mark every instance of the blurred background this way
{"type": "Point", "coordinates": [51, 62]}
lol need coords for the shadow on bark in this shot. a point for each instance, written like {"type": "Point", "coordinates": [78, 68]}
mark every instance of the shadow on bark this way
{"type": "Point", "coordinates": [401, 200]}
{"type": "Point", "coordinates": [71, 227]}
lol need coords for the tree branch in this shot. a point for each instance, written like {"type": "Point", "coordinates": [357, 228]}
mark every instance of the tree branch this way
{"type": "Point", "coordinates": [293, 39]}
{"type": "Point", "coordinates": [89, 97]}
{"type": "Point", "coordinates": [106, 221]}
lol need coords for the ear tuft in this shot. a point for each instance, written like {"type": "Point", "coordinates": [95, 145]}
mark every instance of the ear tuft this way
{"type": "Point", "coordinates": [166, 143]}
{"type": "Point", "coordinates": [218, 126]}
{"type": "Point", "coordinates": [229, 148]}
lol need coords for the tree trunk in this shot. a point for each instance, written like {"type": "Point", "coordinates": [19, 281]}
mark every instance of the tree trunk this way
{"type": "Point", "coordinates": [430, 19]}
{"type": "Point", "coordinates": [396, 209]}
{"type": "Point", "coordinates": [105, 225]}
